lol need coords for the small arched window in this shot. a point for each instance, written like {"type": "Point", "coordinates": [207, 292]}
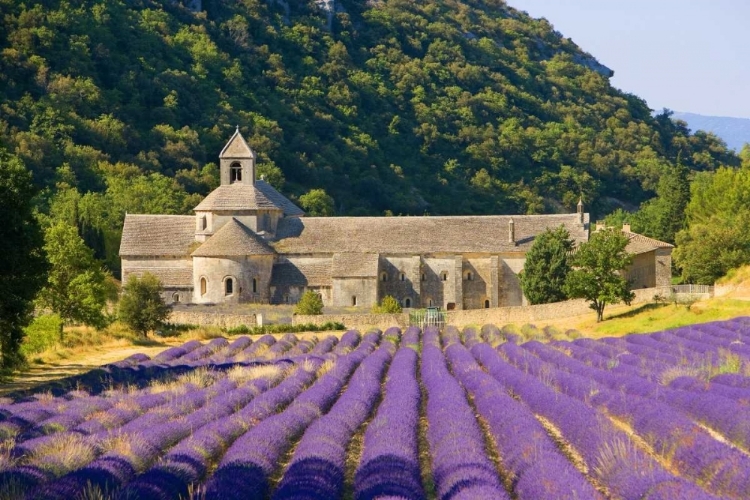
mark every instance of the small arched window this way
{"type": "Point", "coordinates": [175, 297]}
{"type": "Point", "coordinates": [229, 286]}
{"type": "Point", "coordinates": [429, 302]}
{"type": "Point", "coordinates": [354, 300]}
{"type": "Point", "coordinates": [424, 277]}
{"type": "Point", "coordinates": [384, 276]}
{"type": "Point", "coordinates": [203, 287]}
{"type": "Point", "coordinates": [402, 276]}
{"type": "Point", "coordinates": [285, 298]}
{"type": "Point", "coordinates": [444, 276]}
{"type": "Point", "coordinates": [255, 285]}
{"type": "Point", "coordinates": [407, 302]}
{"type": "Point", "coordinates": [469, 276]}
{"type": "Point", "coordinates": [235, 173]}
{"type": "Point", "coordinates": [487, 303]}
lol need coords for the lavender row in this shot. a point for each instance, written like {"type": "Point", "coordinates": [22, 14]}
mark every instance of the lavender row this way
{"type": "Point", "coordinates": [536, 468]}
{"type": "Point", "coordinates": [460, 465]}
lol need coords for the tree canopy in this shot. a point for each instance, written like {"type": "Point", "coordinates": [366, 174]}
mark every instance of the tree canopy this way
{"type": "Point", "coordinates": [141, 306]}
{"type": "Point", "coordinates": [22, 261]}
{"type": "Point", "coordinates": [442, 107]}
{"type": "Point", "coordinates": [546, 267]}
{"type": "Point", "coordinates": [310, 303]}
{"type": "Point", "coordinates": [597, 271]}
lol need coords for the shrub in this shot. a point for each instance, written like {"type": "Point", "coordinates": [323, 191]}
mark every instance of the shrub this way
{"type": "Point", "coordinates": [389, 305]}
{"type": "Point", "coordinates": [285, 328]}
{"type": "Point", "coordinates": [41, 334]}
{"type": "Point", "coordinates": [310, 303]}
{"type": "Point", "coordinates": [141, 306]}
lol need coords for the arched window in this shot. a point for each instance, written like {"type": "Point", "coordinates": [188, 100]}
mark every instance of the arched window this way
{"type": "Point", "coordinates": [429, 302]}
{"type": "Point", "coordinates": [229, 286]}
{"type": "Point", "coordinates": [203, 287]}
{"type": "Point", "coordinates": [487, 303]}
{"type": "Point", "coordinates": [235, 173]}
{"type": "Point", "coordinates": [444, 276]}
{"type": "Point", "coordinates": [469, 276]}
{"type": "Point", "coordinates": [255, 285]}
{"type": "Point", "coordinates": [354, 300]}
{"type": "Point", "coordinates": [407, 302]}
{"type": "Point", "coordinates": [424, 277]}
{"type": "Point", "coordinates": [285, 298]}
{"type": "Point", "coordinates": [402, 276]}
{"type": "Point", "coordinates": [384, 276]}
{"type": "Point", "coordinates": [175, 297]}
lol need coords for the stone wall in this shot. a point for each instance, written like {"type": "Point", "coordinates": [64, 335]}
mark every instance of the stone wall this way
{"type": "Point", "coordinates": [211, 319]}
{"type": "Point", "coordinates": [361, 322]}
{"type": "Point", "coordinates": [242, 270]}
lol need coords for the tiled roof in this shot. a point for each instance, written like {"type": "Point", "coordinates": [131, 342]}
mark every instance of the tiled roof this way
{"type": "Point", "coordinates": [236, 196]}
{"type": "Point", "coordinates": [301, 274]}
{"type": "Point", "coordinates": [641, 244]}
{"type": "Point", "coordinates": [233, 239]}
{"type": "Point", "coordinates": [281, 201]}
{"type": "Point", "coordinates": [237, 147]}
{"type": "Point", "coordinates": [157, 235]}
{"type": "Point", "coordinates": [170, 277]}
{"type": "Point", "coordinates": [418, 235]}
{"type": "Point", "coordinates": [355, 265]}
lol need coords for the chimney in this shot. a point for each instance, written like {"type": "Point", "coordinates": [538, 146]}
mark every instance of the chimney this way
{"type": "Point", "coordinates": [580, 210]}
{"type": "Point", "coordinates": [626, 227]}
{"type": "Point", "coordinates": [511, 232]}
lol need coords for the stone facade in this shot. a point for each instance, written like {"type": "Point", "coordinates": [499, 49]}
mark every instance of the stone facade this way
{"type": "Point", "coordinates": [247, 243]}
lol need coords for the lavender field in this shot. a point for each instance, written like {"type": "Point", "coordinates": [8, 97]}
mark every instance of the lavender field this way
{"type": "Point", "coordinates": [400, 415]}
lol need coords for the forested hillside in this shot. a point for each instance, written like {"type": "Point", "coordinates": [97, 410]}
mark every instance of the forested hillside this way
{"type": "Point", "coordinates": [395, 106]}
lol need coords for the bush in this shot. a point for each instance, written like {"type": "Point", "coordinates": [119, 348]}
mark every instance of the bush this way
{"type": "Point", "coordinates": [310, 303]}
{"type": "Point", "coordinates": [41, 334]}
{"type": "Point", "coordinates": [389, 305]}
{"type": "Point", "coordinates": [141, 305]}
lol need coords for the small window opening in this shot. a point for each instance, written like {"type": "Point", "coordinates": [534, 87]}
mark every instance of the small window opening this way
{"type": "Point", "coordinates": [204, 223]}
{"type": "Point", "coordinates": [176, 298]}
{"type": "Point", "coordinates": [487, 304]}
{"type": "Point", "coordinates": [424, 277]}
{"type": "Point", "coordinates": [354, 300]}
{"type": "Point", "coordinates": [286, 298]}
{"type": "Point", "coordinates": [429, 303]}
{"type": "Point", "coordinates": [407, 302]}
{"type": "Point", "coordinates": [255, 285]}
{"type": "Point", "coordinates": [402, 277]}
{"type": "Point", "coordinates": [383, 276]}
{"type": "Point", "coordinates": [444, 276]}
{"type": "Point", "coordinates": [229, 286]}
{"type": "Point", "coordinates": [203, 286]}
{"type": "Point", "coordinates": [469, 276]}
{"type": "Point", "coordinates": [235, 173]}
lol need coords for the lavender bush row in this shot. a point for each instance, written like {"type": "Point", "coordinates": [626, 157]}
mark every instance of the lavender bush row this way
{"type": "Point", "coordinates": [244, 471]}
{"type": "Point", "coordinates": [693, 452]}
{"type": "Point", "coordinates": [316, 470]}
{"type": "Point", "coordinates": [389, 467]}
{"type": "Point", "coordinates": [206, 350]}
{"type": "Point", "coordinates": [174, 353]}
{"type": "Point", "coordinates": [539, 471]}
{"type": "Point", "coordinates": [627, 472]}
{"type": "Point", "coordinates": [349, 341]}
{"type": "Point", "coordinates": [460, 466]}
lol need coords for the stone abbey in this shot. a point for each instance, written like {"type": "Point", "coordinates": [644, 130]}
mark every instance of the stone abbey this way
{"type": "Point", "coordinates": [248, 243]}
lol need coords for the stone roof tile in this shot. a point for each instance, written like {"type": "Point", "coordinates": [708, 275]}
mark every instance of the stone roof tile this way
{"type": "Point", "coordinates": [233, 239]}
{"type": "Point", "coordinates": [281, 201]}
{"type": "Point", "coordinates": [236, 196]}
{"type": "Point", "coordinates": [355, 265]}
{"type": "Point", "coordinates": [301, 274]}
{"type": "Point", "coordinates": [418, 235]}
{"type": "Point", "coordinates": [638, 243]}
{"type": "Point", "coordinates": [157, 235]}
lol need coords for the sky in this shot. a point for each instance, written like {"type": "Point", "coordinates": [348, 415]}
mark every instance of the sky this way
{"type": "Point", "coordinates": [685, 55]}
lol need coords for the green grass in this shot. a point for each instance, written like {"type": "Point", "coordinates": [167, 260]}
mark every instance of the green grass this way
{"type": "Point", "coordinates": [654, 317]}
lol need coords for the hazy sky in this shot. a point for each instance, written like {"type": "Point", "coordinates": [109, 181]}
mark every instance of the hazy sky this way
{"type": "Point", "coordinates": [685, 55]}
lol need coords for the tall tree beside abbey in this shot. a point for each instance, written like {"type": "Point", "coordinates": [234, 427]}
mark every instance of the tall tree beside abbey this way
{"type": "Point", "coordinates": [441, 107]}
{"type": "Point", "coordinates": [546, 267]}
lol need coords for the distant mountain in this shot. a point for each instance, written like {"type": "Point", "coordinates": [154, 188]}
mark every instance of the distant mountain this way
{"type": "Point", "coordinates": [734, 131]}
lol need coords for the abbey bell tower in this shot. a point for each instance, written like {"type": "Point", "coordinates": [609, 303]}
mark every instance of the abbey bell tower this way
{"type": "Point", "coordinates": [237, 162]}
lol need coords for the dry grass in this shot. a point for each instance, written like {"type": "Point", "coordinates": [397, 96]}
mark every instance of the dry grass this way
{"type": "Point", "coordinates": [64, 453]}
{"type": "Point", "coordinates": [634, 441]}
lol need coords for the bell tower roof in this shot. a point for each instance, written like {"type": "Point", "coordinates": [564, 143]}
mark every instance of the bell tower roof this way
{"type": "Point", "coordinates": [237, 147]}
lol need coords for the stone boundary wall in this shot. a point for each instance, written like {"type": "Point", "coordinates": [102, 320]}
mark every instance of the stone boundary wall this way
{"type": "Point", "coordinates": [365, 321]}
{"type": "Point", "coordinates": [361, 322]}
{"type": "Point", "coordinates": [211, 319]}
